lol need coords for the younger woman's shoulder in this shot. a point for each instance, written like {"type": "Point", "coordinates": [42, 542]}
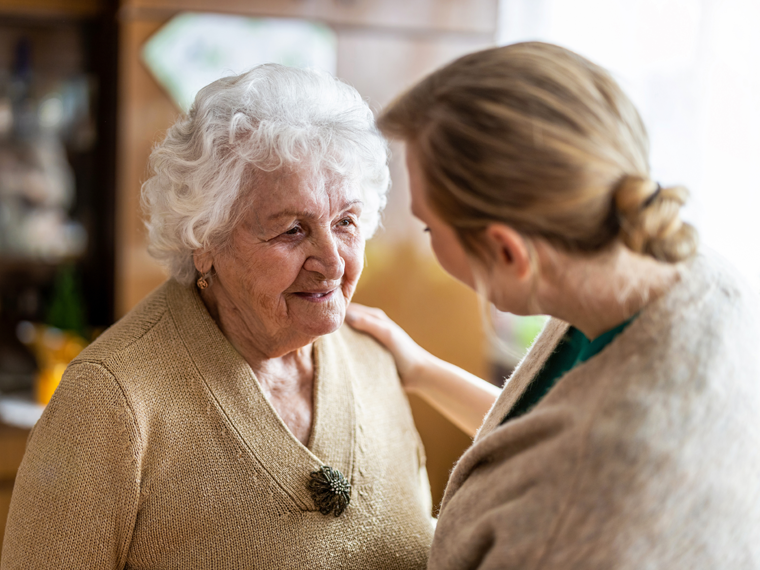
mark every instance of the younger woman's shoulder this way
{"type": "Point", "coordinates": [721, 299]}
{"type": "Point", "coordinates": [713, 271]}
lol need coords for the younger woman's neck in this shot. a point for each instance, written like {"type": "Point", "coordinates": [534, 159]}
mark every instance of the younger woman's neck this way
{"type": "Point", "coordinates": [596, 293]}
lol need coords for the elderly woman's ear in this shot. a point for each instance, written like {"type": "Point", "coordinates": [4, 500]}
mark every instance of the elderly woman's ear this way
{"type": "Point", "coordinates": [203, 260]}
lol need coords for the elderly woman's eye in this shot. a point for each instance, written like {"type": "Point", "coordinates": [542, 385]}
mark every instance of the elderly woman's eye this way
{"type": "Point", "coordinates": [295, 230]}
{"type": "Point", "coordinates": [345, 222]}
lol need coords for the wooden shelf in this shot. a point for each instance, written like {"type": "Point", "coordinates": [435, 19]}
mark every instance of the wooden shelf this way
{"type": "Point", "coordinates": [51, 8]}
{"type": "Point", "coordinates": [430, 16]}
{"type": "Point", "coordinates": [31, 269]}
{"type": "Point", "coordinates": [12, 447]}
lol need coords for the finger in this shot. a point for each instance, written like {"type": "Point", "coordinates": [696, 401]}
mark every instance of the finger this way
{"type": "Point", "coordinates": [356, 309]}
{"type": "Point", "coordinates": [358, 319]}
{"type": "Point", "coordinates": [365, 309]}
{"type": "Point", "coordinates": [377, 313]}
{"type": "Point", "coordinates": [372, 325]}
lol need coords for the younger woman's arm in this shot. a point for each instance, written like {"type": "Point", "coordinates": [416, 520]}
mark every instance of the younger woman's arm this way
{"type": "Point", "coordinates": [460, 396]}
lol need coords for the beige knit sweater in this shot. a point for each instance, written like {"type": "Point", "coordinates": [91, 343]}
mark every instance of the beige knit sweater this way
{"type": "Point", "coordinates": [159, 450]}
{"type": "Point", "coordinates": [645, 457]}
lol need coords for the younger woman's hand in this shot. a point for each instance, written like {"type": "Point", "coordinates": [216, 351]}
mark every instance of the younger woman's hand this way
{"type": "Point", "coordinates": [408, 354]}
{"type": "Point", "coordinates": [461, 397]}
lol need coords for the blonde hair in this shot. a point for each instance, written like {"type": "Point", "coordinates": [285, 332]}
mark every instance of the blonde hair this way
{"type": "Point", "coordinates": [539, 138]}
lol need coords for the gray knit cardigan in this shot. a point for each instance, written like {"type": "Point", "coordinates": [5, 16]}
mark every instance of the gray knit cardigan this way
{"type": "Point", "coordinates": [647, 456]}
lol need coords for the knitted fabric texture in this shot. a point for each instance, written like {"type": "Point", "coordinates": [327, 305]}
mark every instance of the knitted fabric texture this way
{"type": "Point", "coordinates": [645, 456]}
{"type": "Point", "coordinates": [159, 450]}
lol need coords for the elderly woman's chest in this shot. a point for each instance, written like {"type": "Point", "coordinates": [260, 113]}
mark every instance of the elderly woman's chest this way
{"type": "Point", "coordinates": [224, 484]}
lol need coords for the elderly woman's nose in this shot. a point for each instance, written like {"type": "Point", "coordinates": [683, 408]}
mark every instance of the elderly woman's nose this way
{"type": "Point", "coordinates": [326, 259]}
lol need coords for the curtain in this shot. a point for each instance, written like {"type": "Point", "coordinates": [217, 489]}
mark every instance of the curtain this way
{"type": "Point", "coordinates": [692, 67]}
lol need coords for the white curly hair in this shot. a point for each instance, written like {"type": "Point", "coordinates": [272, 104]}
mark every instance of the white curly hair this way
{"type": "Point", "coordinates": [260, 121]}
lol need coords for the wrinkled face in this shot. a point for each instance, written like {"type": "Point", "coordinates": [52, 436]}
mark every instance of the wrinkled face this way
{"type": "Point", "coordinates": [443, 239]}
{"type": "Point", "coordinates": [291, 266]}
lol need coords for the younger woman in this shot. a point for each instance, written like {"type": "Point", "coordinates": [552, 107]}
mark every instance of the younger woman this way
{"type": "Point", "coordinates": [628, 437]}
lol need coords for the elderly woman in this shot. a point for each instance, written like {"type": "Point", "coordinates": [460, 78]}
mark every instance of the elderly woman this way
{"type": "Point", "coordinates": [229, 421]}
{"type": "Point", "coordinates": [628, 436]}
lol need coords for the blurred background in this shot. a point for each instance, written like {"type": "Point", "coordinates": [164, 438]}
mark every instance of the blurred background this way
{"type": "Point", "coordinates": [88, 86]}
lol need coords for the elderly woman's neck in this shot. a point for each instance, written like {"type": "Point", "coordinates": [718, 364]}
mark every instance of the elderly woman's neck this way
{"type": "Point", "coordinates": [269, 357]}
{"type": "Point", "coordinates": [284, 368]}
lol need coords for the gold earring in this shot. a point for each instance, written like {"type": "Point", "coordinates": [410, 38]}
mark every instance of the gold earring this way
{"type": "Point", "coordinates": [202, 283]}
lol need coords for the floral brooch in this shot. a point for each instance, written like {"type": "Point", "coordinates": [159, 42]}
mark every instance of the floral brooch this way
{"type": "Point", "coordinates": [330, 490]}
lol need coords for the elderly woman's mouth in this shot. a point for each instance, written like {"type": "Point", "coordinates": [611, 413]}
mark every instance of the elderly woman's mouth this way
{"type": "Point", "coordinates": [316, 296]}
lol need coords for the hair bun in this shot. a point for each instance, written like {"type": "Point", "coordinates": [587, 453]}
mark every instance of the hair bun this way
{"type": "Point", "coordinates": [650, 220]}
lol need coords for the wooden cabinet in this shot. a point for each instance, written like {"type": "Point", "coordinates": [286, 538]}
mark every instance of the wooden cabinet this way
{"type": "Point", "coordinates": [458, 17]}
{"type": "Point", "coordinates": [12, 446]}
{"type": "Point", "coordinates": [52, 8]}
{"type": "Point", "coordinates": [57, 101]}
{"type": "Point", "coordinates": [65, 39]}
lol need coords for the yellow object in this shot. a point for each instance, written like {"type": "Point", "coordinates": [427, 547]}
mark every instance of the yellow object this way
{"type": "Point", "coordinates": [54, 349]}
{"type": "Point", "coordinates": [47, 381]}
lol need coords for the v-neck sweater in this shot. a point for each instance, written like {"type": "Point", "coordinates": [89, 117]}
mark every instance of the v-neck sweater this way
{"type": "Point", "coordinates": [160, 450]}
{"type": "Point", "coordinates": [644, 456]}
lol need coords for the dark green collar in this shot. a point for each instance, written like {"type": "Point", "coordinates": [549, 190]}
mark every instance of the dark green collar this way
{"type": "Point", "coordinates": [591, 348]}
{"type": "Point", "coordinates": [574, 349]}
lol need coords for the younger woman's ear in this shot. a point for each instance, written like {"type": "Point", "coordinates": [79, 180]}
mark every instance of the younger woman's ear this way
{"type": "Point", "coordinates": [511, 249]}
{"type": "Point", "coordinates": [203, 260]}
